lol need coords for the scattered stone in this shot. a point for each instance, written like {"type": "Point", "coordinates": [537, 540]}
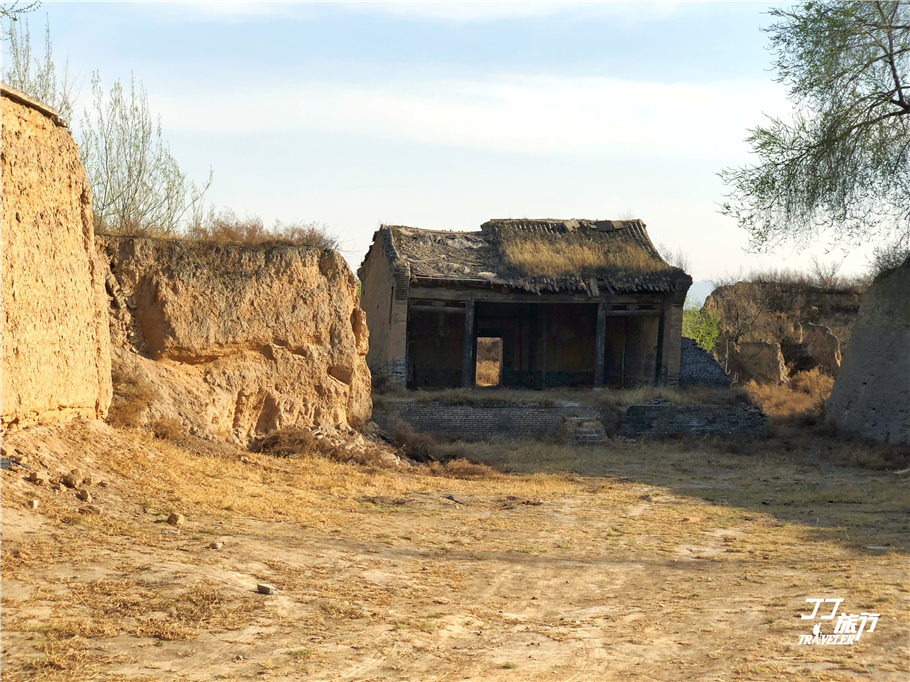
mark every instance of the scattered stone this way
{"type": "Point", "coordinates": [691, 519]}
{"type": "Point", "coordinates": [91, 509]}
{"type": "Point", "coordinates": [32, 504]}
{"type": "Point", "coordinates": [72, 479]}
{"type": "Point", "coordinates": [103, 484]}
{"type": "Point", "coordinates": [170, 531]}
{"type": "Point", "coordinates": [264, 588]}
{"type": "Point", "coordinates": [176, 519]}
{"type": "Point", "coordinates": [84, 495]}
{"type": "Point", "coordinates": [89, 480]}
{"type": "Point", "coordinates": [216, 545]}
{"type": "Point", "coordinates": [38, 477]}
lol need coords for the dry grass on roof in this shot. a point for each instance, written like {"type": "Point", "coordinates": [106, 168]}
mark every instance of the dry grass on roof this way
{"type": "Point", "coordinates": [550, 255]}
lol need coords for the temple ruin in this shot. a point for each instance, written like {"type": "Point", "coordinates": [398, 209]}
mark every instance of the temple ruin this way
{"type": "Point", "coordinates": [563, 303]}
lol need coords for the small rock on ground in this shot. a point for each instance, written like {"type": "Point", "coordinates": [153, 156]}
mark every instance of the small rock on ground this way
{"type": "Point", "coordinates": [264, 588]}
{"type": "Point", "coordinates": [176, 519]}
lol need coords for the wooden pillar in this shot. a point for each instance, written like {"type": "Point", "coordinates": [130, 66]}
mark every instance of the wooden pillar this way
{"type": "Point", "coordinates": [467, 349]}
{"type": "Point", "coordinates": [659, 361]}
{"type": "Point", "coordinates": [600, 345]}
{"type": "Point", "coordinates": [543, 359]}
{"type": "Point", "coordinates": [532, 348]}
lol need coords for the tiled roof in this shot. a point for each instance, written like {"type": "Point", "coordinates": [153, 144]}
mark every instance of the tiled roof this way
{"type": "Point", "coordinates": [479, 259]}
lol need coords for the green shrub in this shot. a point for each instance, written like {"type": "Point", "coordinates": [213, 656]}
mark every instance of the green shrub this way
{"type": "Point", "coordinates": [700, 324]}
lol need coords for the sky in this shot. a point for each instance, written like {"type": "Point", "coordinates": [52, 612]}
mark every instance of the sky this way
{"type": "Point", "coordinates": [445, 115]}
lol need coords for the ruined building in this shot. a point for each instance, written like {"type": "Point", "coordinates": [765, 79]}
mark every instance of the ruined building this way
{"type": "Point", "coordinates": [564, 303]}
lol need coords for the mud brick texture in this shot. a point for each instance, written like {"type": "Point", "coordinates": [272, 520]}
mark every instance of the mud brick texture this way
{"type": "Point", "coordinates": [517, 420]}
{"type": "Point", "coordinates": [697, 367]}
{"type": "Point", "coordinates": [662, 420]}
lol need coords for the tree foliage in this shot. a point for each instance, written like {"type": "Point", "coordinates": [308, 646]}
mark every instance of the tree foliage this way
{"type": "Point", "coordinates": [137, 185]}
{"type": "Point", "coordinates": [33, 75]}
{"type": "Point", "coordinates": [701, 325]}
{"type": "Point", "coordinates": [843, 162]}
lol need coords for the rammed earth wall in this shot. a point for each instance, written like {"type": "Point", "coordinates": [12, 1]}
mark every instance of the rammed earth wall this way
{"type": "Point", "coordinates": [56, 362]}
{"type": "Point", "coordinates": [871, 396]}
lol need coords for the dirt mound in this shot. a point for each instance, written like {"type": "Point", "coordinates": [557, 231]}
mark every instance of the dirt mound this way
{"type": "Point", "coordinates": [56, 353]}
{"type": "Point", "coordinates": [236, 340]}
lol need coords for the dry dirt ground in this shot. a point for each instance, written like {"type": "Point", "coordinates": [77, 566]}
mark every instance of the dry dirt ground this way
{"type": "Point", "coordinates": [669, 561]}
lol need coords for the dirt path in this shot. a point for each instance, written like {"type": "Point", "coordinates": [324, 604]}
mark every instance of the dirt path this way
{"type": "Point", "coordinates": [642, 573]}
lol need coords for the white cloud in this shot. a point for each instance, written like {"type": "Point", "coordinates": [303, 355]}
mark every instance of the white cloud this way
{"type": "Point", "coordinates": [530, 114]}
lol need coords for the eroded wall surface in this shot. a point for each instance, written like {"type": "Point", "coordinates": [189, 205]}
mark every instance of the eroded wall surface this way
{"type": "Point", "coordinates": [871, 395]}
{"type": "Point", "coordinates": [253, 337]}
{"type": "Point", "coordinates": [55, 346]}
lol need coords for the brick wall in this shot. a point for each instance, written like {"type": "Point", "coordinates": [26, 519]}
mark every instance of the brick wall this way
{"type": "Point", "coordinates": [517, 420]}
{"type": "Point", "coordinates": [657, 420]}
{"type": "Point", "coordinates": [475, 422]}
{"type": "Point", "coordinates": [697, 367]}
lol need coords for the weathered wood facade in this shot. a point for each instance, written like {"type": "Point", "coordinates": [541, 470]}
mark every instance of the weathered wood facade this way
{"type": "Point", "coordinates": [429, 296]}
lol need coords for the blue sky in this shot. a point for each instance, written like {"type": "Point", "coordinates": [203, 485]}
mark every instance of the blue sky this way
{"type": "Point", "coordinates": [443, 115]}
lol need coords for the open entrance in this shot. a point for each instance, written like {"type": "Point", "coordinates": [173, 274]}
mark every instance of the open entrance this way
{"type": "Point", "coordinates": [489, 361]}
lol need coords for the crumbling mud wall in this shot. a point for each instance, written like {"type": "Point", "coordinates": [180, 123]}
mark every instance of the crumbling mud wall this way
{"type": "Point", "coordinates": [871, 395]}
{"type": "Point", "coordinates": [55, 347]}
{"type": "Point", "coordinates": [809, 324]}
{"type": "Point", "coordinates": [237, 340]}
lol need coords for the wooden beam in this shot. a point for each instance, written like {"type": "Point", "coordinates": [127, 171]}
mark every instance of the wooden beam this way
{"type": "Point", "coordinates": [467, 348]}
{"type": "Point", "coordinates": [440, 294]}
{"type": "Point", "coordinates": [600, 345]}
{"type": "Point", "coordinates": [437, 309]}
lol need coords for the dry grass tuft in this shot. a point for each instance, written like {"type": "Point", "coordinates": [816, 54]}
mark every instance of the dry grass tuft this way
{"type": "Point", "coordinates": [167, 427]}
{"type": "Point", "coordinates": [802, 402]}
{"type": "Point", "coordinates": [551, 255]}
{"type": "Point", "coordinates": [487, 373]}
{"type": "Point", "coordinates": [227, 227]}
{"type": "Point", "coordinates": [132, 396]}
{"type": "Point", "coordinates": [462, 467]}
{"type": "Point", "coordinates": [489, 361]}
{"type": "Point", "coordinates": [693, 395]}
{"type": "Point", "coordinates": [420, 447]}
{"type": "Point", "coordinates": [298, 443]}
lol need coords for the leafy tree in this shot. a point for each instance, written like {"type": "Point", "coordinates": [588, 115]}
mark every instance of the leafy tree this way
{"type": "Point", "coordinates": [843, 162]}
{"type": "Point", "coordinates": [35, 76]}
{"type": "Point", "coordinates": [700, 324]}
{"type": "Point", "coordinates": [137, 185]}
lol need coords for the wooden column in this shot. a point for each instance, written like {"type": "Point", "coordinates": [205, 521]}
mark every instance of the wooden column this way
{"type": "Point", "coordinates": [600, 345]}
{"type": "Point", "coordinates": [659, 361]}
{"type": "Point", "coordinates": [467, 349]}
{"type": "Point", "coordinates": [543, 352]}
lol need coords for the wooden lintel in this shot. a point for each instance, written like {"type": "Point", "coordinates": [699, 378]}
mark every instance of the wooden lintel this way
{"type": "Point", "coordinates": [440, 294]}
{"type": "Point", "coordinates": [438, 309]}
